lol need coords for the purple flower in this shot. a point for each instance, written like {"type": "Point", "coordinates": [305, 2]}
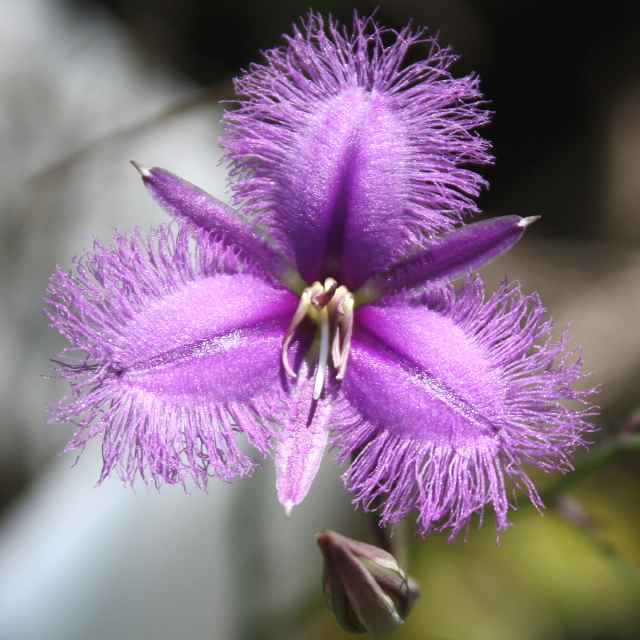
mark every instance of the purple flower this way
{"type": "Point", "coordinates": [323, 309]}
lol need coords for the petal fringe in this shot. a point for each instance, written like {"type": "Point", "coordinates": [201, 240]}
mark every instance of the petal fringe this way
{"type": "Point", "coordinates": [164, 375]}
{"type": "Point", "coordinates": [450, 471]}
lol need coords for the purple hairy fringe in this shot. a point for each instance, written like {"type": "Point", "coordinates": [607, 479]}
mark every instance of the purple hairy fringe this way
{"type": "Point", "coordinates": [448, 485]}
{"type": "Point", "coordinates": [438, 112]}
{"type": "Point", "coordinates": [174, 441]}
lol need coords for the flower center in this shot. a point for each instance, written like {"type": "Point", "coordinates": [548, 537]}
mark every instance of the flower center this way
{"type": "Point", "coordinates": [331, 307]}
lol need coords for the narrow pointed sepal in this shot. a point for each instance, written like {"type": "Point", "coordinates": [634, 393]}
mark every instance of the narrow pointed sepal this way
{"type": "Point", "coordinates": [448, 257]}
{"type": "Point", "coordinates": [301, 441]}
{"type": "Point", "coordinates": [364, 586]}
{"type": "Point", "coordinates": [185, 201]}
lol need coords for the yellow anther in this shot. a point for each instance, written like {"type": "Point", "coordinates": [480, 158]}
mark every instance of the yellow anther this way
{"type": "Point", "coordinates": [344, 305]}
{"type": "Point", "coordinates": [321, 295]}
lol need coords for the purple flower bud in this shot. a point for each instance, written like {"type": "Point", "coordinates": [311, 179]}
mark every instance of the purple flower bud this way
{"type": "Point", "coordinates": [364, 586]}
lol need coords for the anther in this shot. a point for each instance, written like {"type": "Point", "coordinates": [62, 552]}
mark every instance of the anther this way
{"type": "Point", "coordinates": [321, 297]}
{"type": "Point", "coordinates": [344, 304]}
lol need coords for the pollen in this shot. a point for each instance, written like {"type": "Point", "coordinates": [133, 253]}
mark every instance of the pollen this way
{"type": "Point", "coordinates": [331, 307]}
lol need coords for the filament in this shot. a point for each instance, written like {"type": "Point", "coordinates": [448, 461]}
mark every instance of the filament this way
{"type": "Point", "coordinates": [324, 353]}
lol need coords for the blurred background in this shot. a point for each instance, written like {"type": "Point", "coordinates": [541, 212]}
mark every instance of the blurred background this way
{"type": "Point", "coordinates": [86, 86]}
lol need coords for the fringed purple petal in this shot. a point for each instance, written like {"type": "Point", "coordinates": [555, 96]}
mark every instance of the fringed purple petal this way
{"type": "Point", "coordinates": [345, 155]}
{"type": "Point", "coordinates": [182, 351]}
{"type": "Point", "coordinates": [454, 394]}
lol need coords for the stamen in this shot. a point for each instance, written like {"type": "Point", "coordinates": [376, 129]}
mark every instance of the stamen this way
{"type": "Point", "coordinates": [344, 318]}
{"type": "Point", "coordinates": [338, 307]}
{"type": "Point", "coordinates": [320, 296]}
{"type": "Point", "coordinates": [332, 308]}
{"type": "Point", "coordinates": [336, 352]}
{"type": "Point", "coordinates": [303, 308]}
{"type": "Point", "coordinates": [324, 353]}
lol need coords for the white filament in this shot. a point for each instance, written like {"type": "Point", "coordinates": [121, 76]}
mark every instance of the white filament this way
{"type": "Point", "coordinates": [324, 353]}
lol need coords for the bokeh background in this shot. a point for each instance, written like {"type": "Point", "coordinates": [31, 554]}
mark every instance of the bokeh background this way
{"type": "Point", "coordinates": [86, 86]}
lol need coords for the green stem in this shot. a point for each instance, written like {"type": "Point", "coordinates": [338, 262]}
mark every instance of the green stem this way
{"type": "Point", "coordinates": [396, 546]}
{"type": "Point", "coordinates": [380, 533]}
{"type": "Point", "coordinates": [601, 455]}
{"type": "Point", "coordinates": [596, 459]}
{"type": "Point", "coordinates": [629, 571]}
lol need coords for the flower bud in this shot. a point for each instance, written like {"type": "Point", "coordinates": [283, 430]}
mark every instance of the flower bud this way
{"type": "Point", "coordinates": [364, 586]}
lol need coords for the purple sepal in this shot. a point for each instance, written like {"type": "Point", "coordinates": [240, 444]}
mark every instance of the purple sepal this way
{"type": "Point", "coordinates": [448, 257]}
{"type": "Point", "coordinates": [302, 439]}
{"type": "Point", "coordinates": [185, 201]}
